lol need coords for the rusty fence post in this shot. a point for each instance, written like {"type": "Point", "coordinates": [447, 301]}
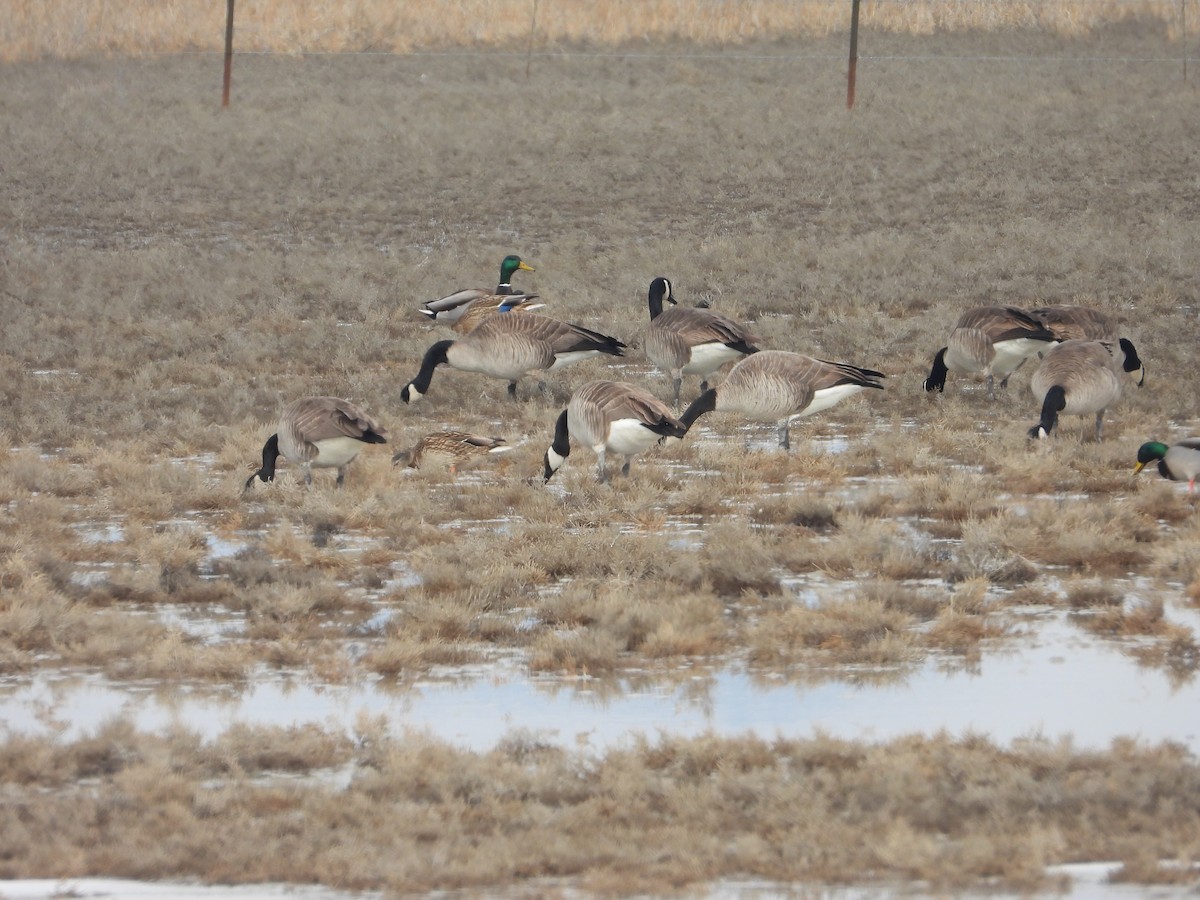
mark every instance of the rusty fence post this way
{"type": "Point", "coordinates": [853, 70]}
{"type": "Point", "coordinates": [229, 53]}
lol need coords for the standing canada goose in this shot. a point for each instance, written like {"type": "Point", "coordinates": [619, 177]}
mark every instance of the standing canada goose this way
{"type": "Point", "coordinates": [778, 386]}
{"type": "Point", "coordinates": [1179, 462]}
{"type": "Point", "coordinates": [319, 432]}
{"type": "Point", "coordinates": [611, 416]}
{"type": "Point", "coordinates": [475, 312]}
{"type": "Point", "coordinates": [453, 449]}
{"type": "Point", "coordinates": [1082, 377]}
{"type": "Point", "coordinates": [1077, 323]}
{"type": "Point", "coordinates": [448, 309]}
{"type": "Point", "coordinates": [995, 340]}
{"type": "Point", "coordinates": [511, 347]}
{"type": "Point", "coordinates": [692, 341]}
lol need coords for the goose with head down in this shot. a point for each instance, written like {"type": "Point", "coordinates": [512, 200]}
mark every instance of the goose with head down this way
{"type": "Point", "coordinates": [319, 432]}
{"type": "Point", "coordinates": [512, 347]}
{"type": "Point", "coordinates": [778, 386]}
{"type": "Point", "coordinates": [993, 340]}
{"type": "Point", "coordinates": [1083, 378]}
{"type": "Point", "coordinates": [610, 417]}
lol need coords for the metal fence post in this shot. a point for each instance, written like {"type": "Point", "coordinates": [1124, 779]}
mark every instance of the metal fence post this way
{"type": "Point", "coordinates": [229, 53]}
{"type": "Point", "coordinates": [853, 71]}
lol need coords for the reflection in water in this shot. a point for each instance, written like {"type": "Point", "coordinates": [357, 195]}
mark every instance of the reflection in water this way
{"type": "Point", "coordinates": [1063, 684]}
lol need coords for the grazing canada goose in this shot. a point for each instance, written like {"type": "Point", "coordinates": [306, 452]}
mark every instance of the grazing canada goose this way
{"type": "Point", "coordinates": [448, 309]}
{"type": "Point", "coordinates": [692, 341]}
{"type": "Point", "coordinates": [1077, 323]}
{"type": "Point", "coordinates": [1082, 377]}
{"type": "Point", "coordinates": [1179, 462]}
{"type": "Point", "coordinates": [778, 386]}
{"type": "Point", "coordinates": [454, 449]}
{"type": "Point", "coordinates": [611, 416]}
{"type": "Point", "coordinates": [511, 347]}
{"type": "Point", "coordinates": [319, 432]}
{"type": "Point", "coordinates": [995, 340]}
{"type": "Point", "coordinates": [476, 311]}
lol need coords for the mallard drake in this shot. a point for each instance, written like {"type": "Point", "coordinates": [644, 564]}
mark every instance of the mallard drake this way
{"type": "Point", "coordinates": [691, 341]}
{"type": "Point", "coordinates": [610, 417]}
{"type": "Point", "coordinates": [1178, 462]}
{"type": "Point", "coordinates": [1081, 378]}
{"type": "Point", "coordinates": [316, 433]}
{"type": "Point", "coordinates": [994, 340]}
{"type": "Point", "coordinates": [778, 386]}
{"type": "Point", "coordinates": [453, 449]}
{"type": "Point", "coordinates": [511, 347]}
{"type": "Point", "coordinates": [478, 310]}
{"type": "Point", "coordinates": [452, 307]}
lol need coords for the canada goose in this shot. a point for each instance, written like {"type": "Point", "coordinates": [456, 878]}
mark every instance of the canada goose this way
{"type": "Point", "coordinates": [995, 340]}
{"type": "Point", "coordinates": [448, 309]}
{"type": "Point", "coordinates": [453, 449]}
{"type": "Point", "coordinates": [1078, 323]}
{"type": "Point", "coordinates": [1082, 377]}
{"type": "Point", "coordinates": [512, 347]}
{"type": "Point", "coordinates": [692, 341]}
{"type": "Point", "coordinates": [611, 416]}
{"type": "Point", "coordinates": [476, 311]}
{"type": "Point", "coordinates": [1179, 462]}
{"type": "Point", "coordinates": [319, 432]}
{"type": "Point", "coordinates": [777, 386]}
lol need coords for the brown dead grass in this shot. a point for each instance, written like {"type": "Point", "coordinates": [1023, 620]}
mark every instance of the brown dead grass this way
{"type": "Point", "coordinates": [167, 289]}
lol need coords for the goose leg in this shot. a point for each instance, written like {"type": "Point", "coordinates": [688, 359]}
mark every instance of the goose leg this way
{"type": "Point", "coordinates": [625, 468]}
{"type": "Point", "coordinates": [783, 435]}
{"type": "Point", "coordinates": [991, 386]}
{"type": "Point", "coordinates": [677, 381]}
{"type": "Point", "coordinates": [1099, 425]}
{"type": "Point", "coordinates": [601, 471]}
{"type": "Point", "coordinates": [341, 476]}
{"type": "Point", "coordinates": [308, 474]}
{"type": "Point", "coordinates": [512, 390]}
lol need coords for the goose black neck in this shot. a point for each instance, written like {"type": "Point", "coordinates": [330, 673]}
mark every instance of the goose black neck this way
{"type": "Point", "coordinates": [270, 453]}
{"type": "Point", "coordinates": [660, 290]}
{"type": "Point", "coordinates": [1055, 402]}
{"type": "Point", "coordinates": [561, 447]}
{"type": "Point", "coordinates": [435, 356]}
{"type": "Point", "coordinates": [705, 403]}
{"type": "Point", "coordinates": [1132, 361]}
{"type": "Point", "coordinates": [937, 375]}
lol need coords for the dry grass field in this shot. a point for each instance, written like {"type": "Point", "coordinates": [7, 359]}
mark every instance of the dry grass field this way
{"type": "Point", "coordinates": [172, 274]}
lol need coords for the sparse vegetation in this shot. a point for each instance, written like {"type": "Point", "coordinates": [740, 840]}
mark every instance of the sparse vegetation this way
{"type": "Point", "coordinates": [172, 274]}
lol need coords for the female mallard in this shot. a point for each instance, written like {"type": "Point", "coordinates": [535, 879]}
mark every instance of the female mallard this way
{"type": "Point", "coordinates": [1179, 462]}
{"type": "Point", "coordinates": [453, 449]}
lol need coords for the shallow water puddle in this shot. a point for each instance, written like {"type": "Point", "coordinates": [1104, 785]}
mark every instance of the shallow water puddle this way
{"type": "Point", "coordinates": [1062, 682]}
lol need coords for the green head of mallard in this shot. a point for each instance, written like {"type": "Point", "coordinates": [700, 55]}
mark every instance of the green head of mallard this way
{"type": "Point", "coordinates": [1148, 453]}
{"type": "Point", "coordinates": [511, 264]}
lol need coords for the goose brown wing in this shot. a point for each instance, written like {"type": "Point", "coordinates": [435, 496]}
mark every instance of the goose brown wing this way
{"type": "Point", "coordinates": [1005, 323]}
{"type": "Point", "coordinates": [320, 418]}
{"type": "Point", "coordinates": [699, 326]}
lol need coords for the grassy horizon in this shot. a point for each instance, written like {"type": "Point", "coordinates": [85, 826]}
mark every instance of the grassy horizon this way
{"type": "Point", "coordinates": [68, 29]}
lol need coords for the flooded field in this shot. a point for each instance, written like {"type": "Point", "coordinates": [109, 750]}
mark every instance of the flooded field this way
{"type": "Point", "coordinates": [915, 653]}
